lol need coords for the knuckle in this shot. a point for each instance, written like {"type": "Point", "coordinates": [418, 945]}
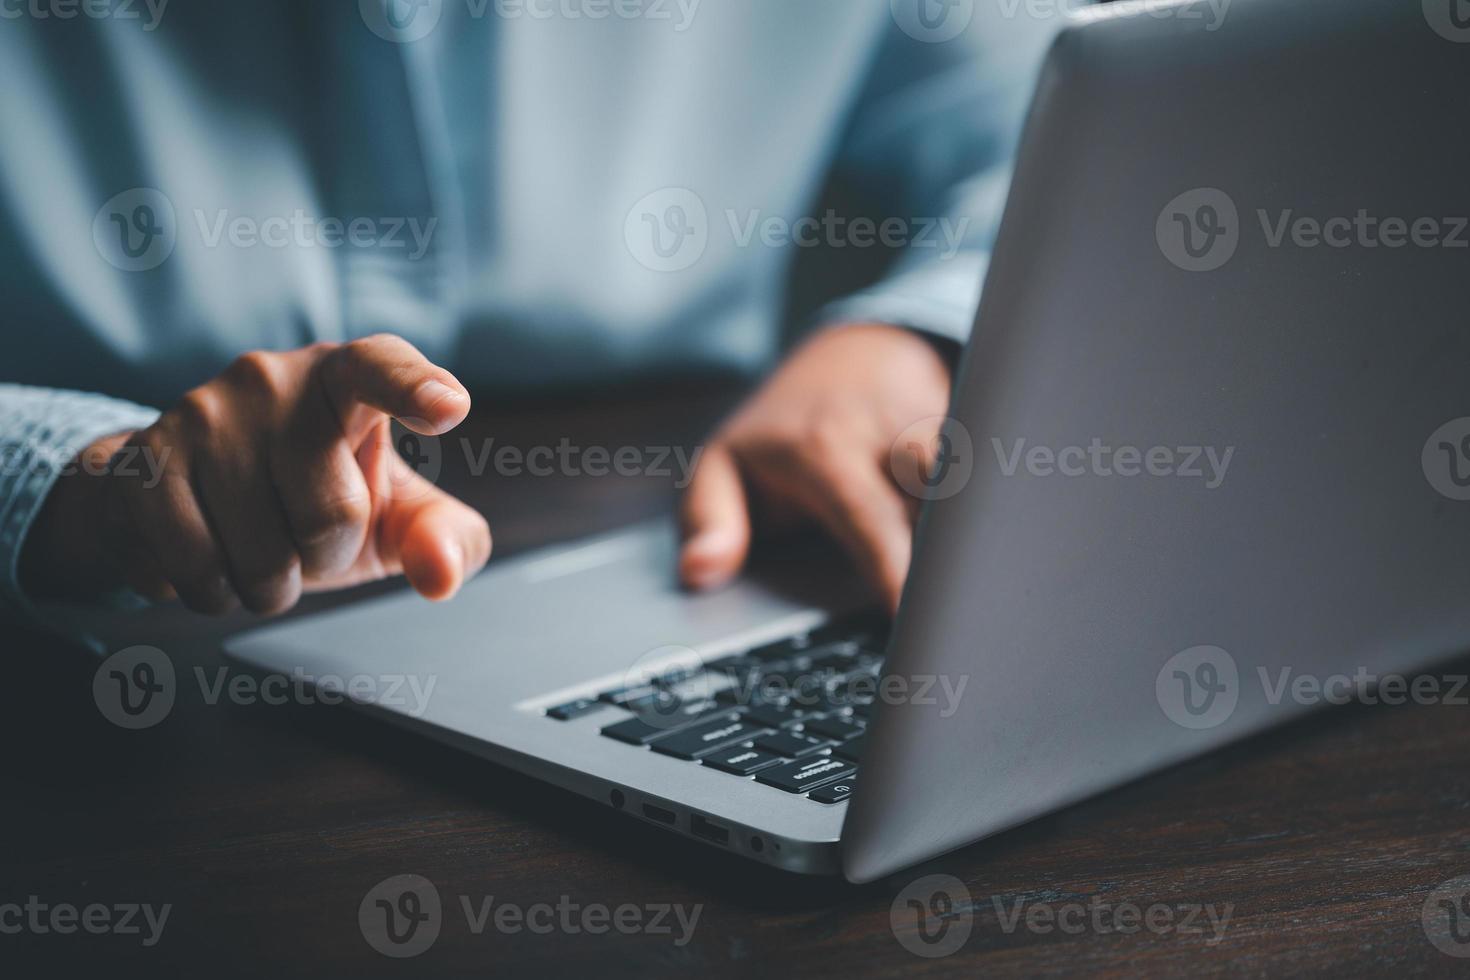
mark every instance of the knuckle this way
{"type": "Point", "coordinates": [198, 412]}
{"type": "Point", "coordinates": [257, 371]}
{"type": "Point", "coordinates": [328, 524]}
{"type": "Point", "coordinates": [826, 435]}
{"type": "Point", "coordinates": [149, 456]}
{"type": "Point", "coordinates": [272, 588]}
{"type": "Point", "coordinates": [349, 359]}
{"type": "Point", "coordinates": [206, 591]}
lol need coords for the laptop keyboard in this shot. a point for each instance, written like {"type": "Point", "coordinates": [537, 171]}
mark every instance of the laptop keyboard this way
{"type": "Point", "coordinates": [791, 714]}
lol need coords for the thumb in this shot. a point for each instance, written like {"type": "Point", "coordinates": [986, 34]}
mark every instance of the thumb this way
{"type": "Point", "coordinates": [716, 522]}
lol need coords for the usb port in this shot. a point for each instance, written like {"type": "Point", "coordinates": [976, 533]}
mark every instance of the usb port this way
{"type": "Point", "coordinates": [708, 830]}
{"type": "Point", "coordinates": [658, 813]}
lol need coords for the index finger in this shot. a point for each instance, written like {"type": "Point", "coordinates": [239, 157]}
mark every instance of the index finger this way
{"type": "Point", "coordinates": [856, 503]}
{"type": "Point", "coordinates": [387, 375]}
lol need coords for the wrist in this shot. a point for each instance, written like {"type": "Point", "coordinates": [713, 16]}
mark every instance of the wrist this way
{"type": "Point", "coordinates": [63, 554]}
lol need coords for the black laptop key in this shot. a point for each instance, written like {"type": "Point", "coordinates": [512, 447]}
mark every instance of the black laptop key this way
{"type": "Point", "coordinates": [573, 709]}
{"type": "Point", "coordinates": [741, 761]}
{"type": "Point", "coordinates": [771, 715]}
{"type": "Point", "coordinates": [832, 727]}
{"type": "Point", "coordinates": [738, 670]}
{"type": "Point", "coordinates": [780, 650]}
{"type": "Point", "coordinates": [791, 744]}
{"type": "Point", "coordinates": [670, 712]}
{"type": "Point", "coordinates": [635, 731]}
{"type": "Point", "coordinates": [839, 661]}
{"type": "Point", "coordinates": [623, 695]}
{"type": "Point", "coordinates": [707, 737]}
{"type": "Point", "coordinates": [659, 702]}
{"type": "Point", "coordinates": [834, 792]}
{"type": "Point", "coordinates": [852, 749]}
{"type": "Point", "coordinates": [803, 774]}
{"type": "Point", "coordinates": [644, 728]}
{"type": "Point", "coordinates": [860, 628]}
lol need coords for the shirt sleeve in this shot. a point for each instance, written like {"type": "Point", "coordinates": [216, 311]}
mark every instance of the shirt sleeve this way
{"type": "Point", "coordinates": [41, 432]}
{"type": "Point", "coordinates": [931, 145]}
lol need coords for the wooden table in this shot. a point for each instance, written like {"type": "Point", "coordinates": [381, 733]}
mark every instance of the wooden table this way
{"type": "Point", "coordinates": [265, 826]}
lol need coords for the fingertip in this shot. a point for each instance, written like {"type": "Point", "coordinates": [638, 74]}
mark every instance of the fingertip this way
{"type": "Point", "coordinates": [710, 558]}
{"type": "Point", "coordinates": [433, 564]}
{"type": "Point", "coordinates": [439, 406]}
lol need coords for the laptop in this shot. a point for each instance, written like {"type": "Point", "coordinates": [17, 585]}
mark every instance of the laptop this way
{"type": "Point", "coordinates": [1212, 430]}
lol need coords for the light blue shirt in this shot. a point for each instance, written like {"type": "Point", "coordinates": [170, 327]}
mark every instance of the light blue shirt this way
{"type": "Point", "coordinates": [534, 192]}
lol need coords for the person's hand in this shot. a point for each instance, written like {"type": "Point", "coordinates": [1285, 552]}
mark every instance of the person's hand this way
{"type": "Point", "coordinates": [821, 440]}
{"type": "Point", "coordinates": [275, 477]}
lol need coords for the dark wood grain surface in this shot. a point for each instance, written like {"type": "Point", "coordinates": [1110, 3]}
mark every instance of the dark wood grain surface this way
{"type": "Point", "coordinates": [263, 827]}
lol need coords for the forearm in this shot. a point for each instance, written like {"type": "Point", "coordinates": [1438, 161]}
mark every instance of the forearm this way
{"type": "Point", "coordinates": [42, 432]}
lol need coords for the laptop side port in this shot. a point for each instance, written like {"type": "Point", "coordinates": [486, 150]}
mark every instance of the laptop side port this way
{"type": "Point", "coordinates": [659, 814]}
{"type": "Point", "coordinates": [708, 830]}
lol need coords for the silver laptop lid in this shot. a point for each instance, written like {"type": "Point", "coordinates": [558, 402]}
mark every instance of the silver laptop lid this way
{"type": "Point", "coordinates": [1217, 400]}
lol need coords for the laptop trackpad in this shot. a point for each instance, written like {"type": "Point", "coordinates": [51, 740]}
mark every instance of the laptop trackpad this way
{"type": "Point", "coordinates": [558, 617]}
